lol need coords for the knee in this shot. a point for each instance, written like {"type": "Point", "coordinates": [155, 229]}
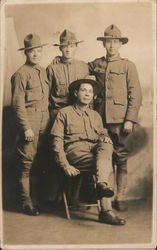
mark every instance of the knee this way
{"type": "Point", "coordinates": [106, 149]}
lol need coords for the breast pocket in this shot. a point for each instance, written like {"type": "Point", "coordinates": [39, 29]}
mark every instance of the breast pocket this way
{"type": "Point", "coordinates": [32, 85]}
{"type": "Point", "coordinates": [118, 77]}
{"type": "Point", "coordinates": [72, 129]}
{"type": "Point", "coordinates": [119, 101]}
{"type": "Point", "coordinates": [34, 95]}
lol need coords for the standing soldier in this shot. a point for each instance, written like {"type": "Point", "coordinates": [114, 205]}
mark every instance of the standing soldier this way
{"type": "Point", "coordinates": [118, 102]}
{"type": "Point", "coordinates": [30, 92]}
{"type": "Point", "coordinates": [65, 71]}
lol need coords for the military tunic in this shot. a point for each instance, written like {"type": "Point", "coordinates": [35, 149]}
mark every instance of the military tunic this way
{"type": "Point", "coordinates": [120, 98]}
{"type": "Point", "coordinates": [30, 93]}
{"type": "Point", "coordinates": [60, 76]}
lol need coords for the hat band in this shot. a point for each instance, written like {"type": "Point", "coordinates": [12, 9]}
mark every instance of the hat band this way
{"type": "Point", "coordinates": [68, 42]}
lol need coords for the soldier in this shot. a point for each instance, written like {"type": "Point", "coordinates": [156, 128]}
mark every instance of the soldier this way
{"type": "Point", "coordinates": [30, 92]}
{"type": "Point", "coordinates": [64, 72]}
{"type": "Point", "coordinates": [118, 102]}
{"type": "Point", "coordinates": [79, 141]}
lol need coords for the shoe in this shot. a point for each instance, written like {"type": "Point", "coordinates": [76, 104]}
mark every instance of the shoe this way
{"type": "Point", "coordinates": [30, 211]}
{"type": "Point", "coordinates": [104, 191]}
{"type": "Point", "coordinates": [110, 218]}
{"type": "Point", "coordinates": [120, 205]}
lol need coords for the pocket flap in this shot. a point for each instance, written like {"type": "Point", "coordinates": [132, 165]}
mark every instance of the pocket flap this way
{"type": "Point", "coordinates": [118, 70]}
{"type": "Point", "coordinates": [73, 129]}
{"type": "Point", "coordinates": [119, 101]}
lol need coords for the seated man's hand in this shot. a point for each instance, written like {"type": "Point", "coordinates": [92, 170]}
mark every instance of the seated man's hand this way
{"type": "Point", "coordinates": [108, 140]}
{"type": "Point", "coordinates": [128, 127]}
{"type": "Point", "coordinates": [56, 60]}
{"type": "Point", "coordinates": [105, 139]}
{"type": "Point", "coordinates": [71, 171]}
{"type": "Point", "coordinates": [29, 135]}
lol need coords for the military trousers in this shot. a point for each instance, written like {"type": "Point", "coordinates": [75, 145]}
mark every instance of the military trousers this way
{"type": "Point", "coordinates": [121, 153]}
{"type": "Point", "coordinates": [32, 155]}
{"type": "Point", "coordinates": [85, 155]}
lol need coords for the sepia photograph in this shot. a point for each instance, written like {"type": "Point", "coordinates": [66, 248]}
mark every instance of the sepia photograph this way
{"type": "Point", "coordinates": [78, 124]}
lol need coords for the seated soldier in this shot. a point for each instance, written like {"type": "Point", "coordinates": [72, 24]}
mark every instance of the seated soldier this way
{"type": "Point", "coordinates": [80, 141]}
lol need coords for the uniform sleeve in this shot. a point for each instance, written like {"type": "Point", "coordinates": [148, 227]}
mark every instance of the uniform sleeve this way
{"type": "Point", "coordinates": [91, 66]}
{"type": "Point", "coordinates": [102, 131]}
{"type": "Point", "coordinates": [57, 140]}
{"type": "Point", "coordinates": [134, 93]}
{"type": "Point", "coordinates": [49, 72]}
{"type": "Point", "coordinates": [85, 70]}
{"type": "Point", "coordinates": [18, 101]}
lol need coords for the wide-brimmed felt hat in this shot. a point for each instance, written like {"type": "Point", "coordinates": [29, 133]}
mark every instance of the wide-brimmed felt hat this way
{"type": "Point", "coordinates": [113, 32]}
{"type": "Point", "coordinates": [75, 85]}
{"type": "Point", "coordinates": [32, 41]}
{"type": "Point", "coordinates": [67, 38]}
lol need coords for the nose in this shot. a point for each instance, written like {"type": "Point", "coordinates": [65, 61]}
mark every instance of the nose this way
{"type": "Point", "coordinates": [67, 48]}
{"type": "Point", "coordinates": [87, 93]}
{"type": "Point", "coordinates": [35, 53]}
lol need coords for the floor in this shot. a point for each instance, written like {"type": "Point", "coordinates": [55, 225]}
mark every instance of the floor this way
{"type": "Point", "coordinates": [83, 228]}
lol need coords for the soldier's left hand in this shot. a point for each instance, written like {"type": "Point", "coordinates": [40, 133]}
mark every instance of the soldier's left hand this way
{"type": "Point", "coordinates": [128, 127]}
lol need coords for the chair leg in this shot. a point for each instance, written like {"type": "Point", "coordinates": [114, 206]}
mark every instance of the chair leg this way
{"type": "Point", "coordinates": [66, 205]}
{"type": "Point", "coordinates": [98, 201]}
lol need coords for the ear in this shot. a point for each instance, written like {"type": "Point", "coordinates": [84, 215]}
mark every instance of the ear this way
{"type": "Point", "coordinates": [75, 93]}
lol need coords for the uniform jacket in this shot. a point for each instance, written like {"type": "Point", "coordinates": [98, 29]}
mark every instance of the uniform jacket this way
{"type": "Point", "coordinates": [120, 98]}
{"type": "Point", "coordinates": [30, 89]}
{"type": "Point", "coordinates": [60, 76]}
{"type": "Point", "coordinates": [73, 126]}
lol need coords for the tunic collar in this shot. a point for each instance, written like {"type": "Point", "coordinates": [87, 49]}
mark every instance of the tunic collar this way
{"type": "Point", "coordinates": [34, 66]}
{"type": "Point", "coordinates": [79, 111]}
{"type": "Point", "coordinates": [111, 59]}
{"type": "Point", "coordinates": [62, 60]}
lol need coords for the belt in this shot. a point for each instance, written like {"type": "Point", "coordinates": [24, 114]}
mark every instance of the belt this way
{"type": "Point", "coordinates": [38, 109]}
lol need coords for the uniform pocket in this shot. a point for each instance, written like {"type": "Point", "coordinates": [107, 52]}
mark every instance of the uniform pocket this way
{"type": "Point", "coordinates": [118, 70]}
{"type": "Point", "coordinates": [34, 95]}
{"type": "Point", "coordinates": [119, 101]}
{"type": "Point", "coordinates": [73, 129]}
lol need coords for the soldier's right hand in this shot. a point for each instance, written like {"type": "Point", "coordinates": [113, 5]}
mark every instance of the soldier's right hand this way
{"type": "Point", "coordinates": [56, 60]}
{"type": "Point", "coordinates": [29, 135]}
{"type": "Point", "coordinates": [71, 171]}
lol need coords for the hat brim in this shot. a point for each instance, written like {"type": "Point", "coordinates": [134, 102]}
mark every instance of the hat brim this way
{"type": "Point", "coordinates": [74, 85]}
{"type": "Point", "coordinates": [124, 40]}
{"type": "Point", "coordinates": [33, 47]}
{"type": "Point", "coordinates": [64, 44]}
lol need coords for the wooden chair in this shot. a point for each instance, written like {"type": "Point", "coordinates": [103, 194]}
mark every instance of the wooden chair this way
{"type": "Point", "coordinates": [77, 191]}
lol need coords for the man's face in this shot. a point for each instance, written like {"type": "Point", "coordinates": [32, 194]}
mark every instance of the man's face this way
{"type": "Point", "coordinates": [112, 46]}
{"type": "Point", "coordinates": [84, 94]}
{"type": "Point", "coordinates": [68, 51]}
{"type": "Point", "coordinates": [34, 55]}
